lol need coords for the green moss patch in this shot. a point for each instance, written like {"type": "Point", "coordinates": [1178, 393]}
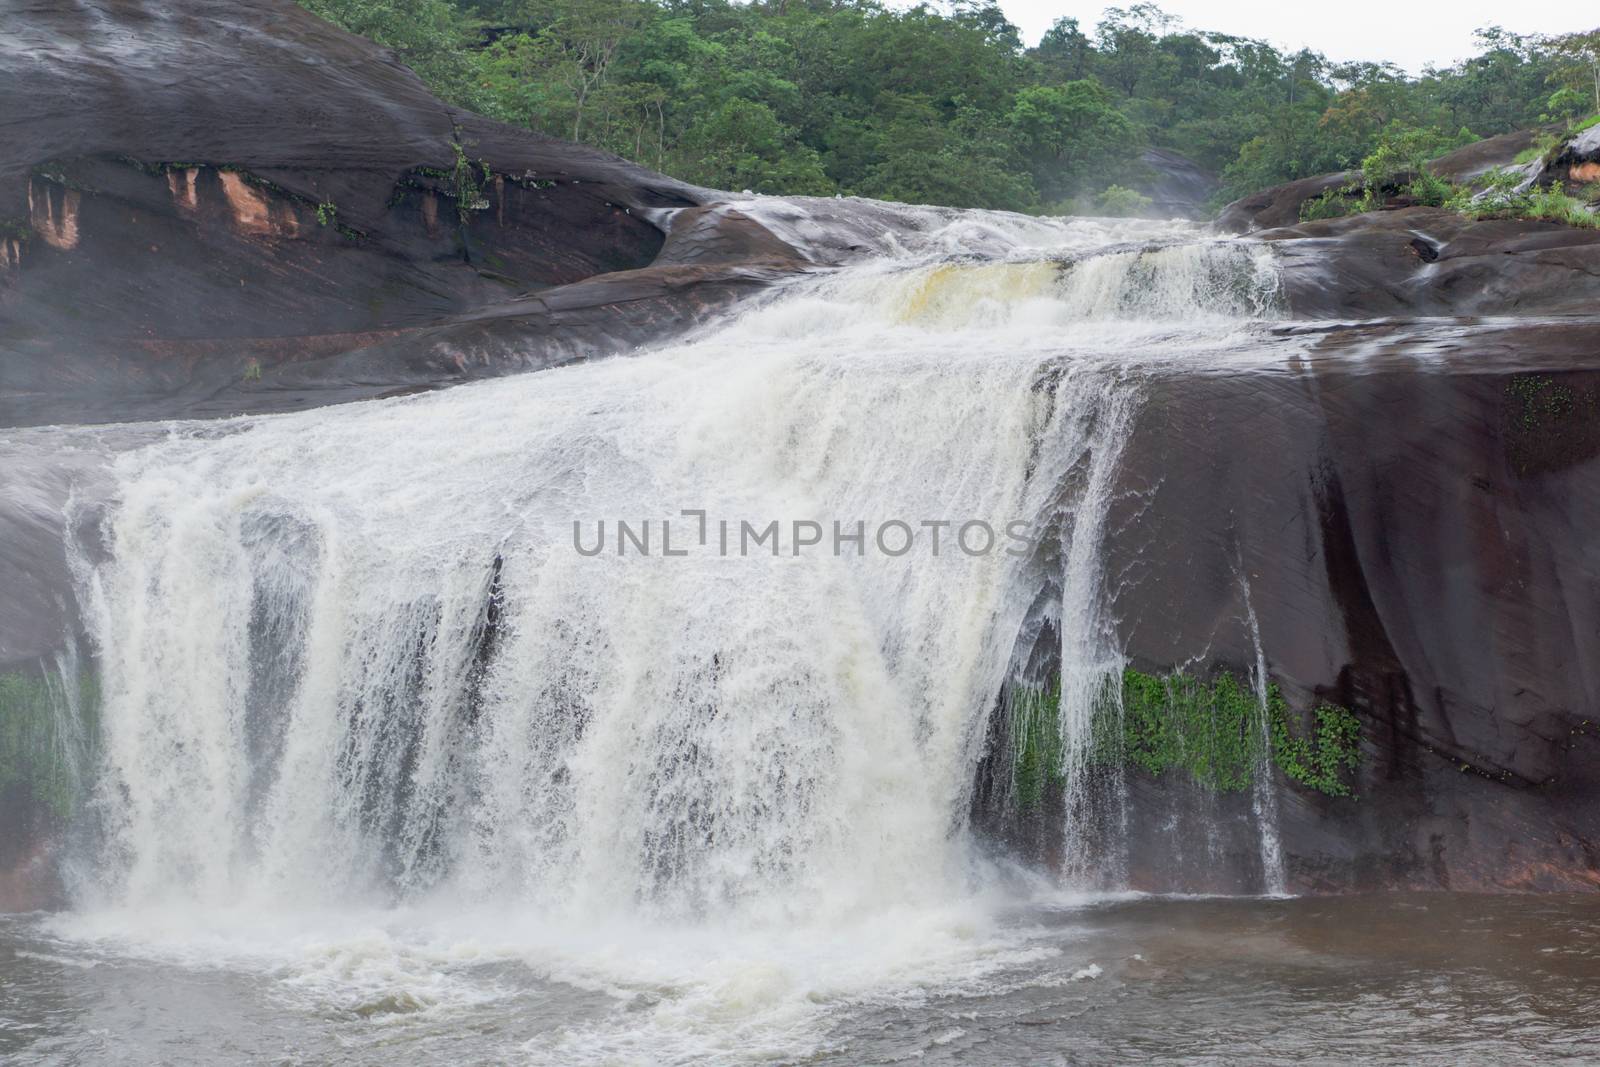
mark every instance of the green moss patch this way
{"type": "Point", "coordinates": [1550, 423]}
{"type": "Point", "coordinates": [1212, 730]}
{"type": "Point", "coordinates": [41, 749]}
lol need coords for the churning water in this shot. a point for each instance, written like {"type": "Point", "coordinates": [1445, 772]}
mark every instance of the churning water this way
{"type": "Point", "coordinates": [394, 764]}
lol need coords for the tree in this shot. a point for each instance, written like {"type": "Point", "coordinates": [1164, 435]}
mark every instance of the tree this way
{"type": "Point", "coordinates": [1127, 44]}
{"type": "Point", "coordinates": [742, 145]}
{"type": "Point", "coordinates": [429, 36]}
{"type": "Point", "coordinates": [1504, 88]}
{"type": "Point", "coordinates": [969, 162]}
{"type": "Point", "coordinates": [582, 38]}
{"type": "Point", "coordinates": [1064, 51]}
{"type": "Point", "coordinates": [1117, 202]}
{"type": "Point", "coordinates": [941, 103]}
{"type": "Point", "coordinates": [1578, 61]}
{"type": "Point", "coordinates": [1069, 132]}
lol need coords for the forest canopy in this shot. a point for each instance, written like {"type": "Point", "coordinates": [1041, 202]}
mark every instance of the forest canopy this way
{"type": "Point", "coordinates": [945, 104]}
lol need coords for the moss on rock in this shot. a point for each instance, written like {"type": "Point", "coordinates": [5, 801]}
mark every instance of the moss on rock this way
{"type": "Point", "coordinates": [42, 749]}
{"type": "Point", "coordinates": [1211, 730]}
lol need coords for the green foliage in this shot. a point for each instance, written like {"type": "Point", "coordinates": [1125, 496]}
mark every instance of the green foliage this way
{"type": "Point", "coordinates": [1212, 731]}
{"type": "Point", "coordinates": [40, 753]}
{"type": "Point", "coordinates": [1554, 205]}
{"type": "Point", "coordinates": [1576, 64]}
{"type": "Point", "coordinates": [1317, 762]}
{"type": "Point", "coordinates": [1069, 132]}
{"type": "Point", "coordinates": [1332, 204]}
{"type": "Point", "coordinates": [431, 36]}
{"type": "Point", "coordinates": [1216, 731]}
{"type": "Point", "coordinates": [467, 183]}
{"type": "Point", "coordinates": [1115, 201]}
{"type": "Point", "coordinates": [1496, 194]}
{"type": "Point", "coordinates": [1036, 743]}
{"type": "Point", "coordinates": [742, 145]}
{"type": "Point", "coordinates": [1404, 149]}
{"type": "Point", "coordinates": [1542, 146]}
{"type": "Point", "coordinates": [1500, 196]}
{"type": "Point", "coordinates": [1567, 104]}
{"type": "Point", "coordinates": [327, 213]}
{"type": "Point", "coordinates": [944, 104]}
{"type": "Point", "coordinates": [1429, 189]}
{"type": "Point", "coordinates": [1399, 165]}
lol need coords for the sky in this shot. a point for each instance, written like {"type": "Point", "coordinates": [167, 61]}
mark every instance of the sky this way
{"type": "Point", "coordinates": [1409, 33]}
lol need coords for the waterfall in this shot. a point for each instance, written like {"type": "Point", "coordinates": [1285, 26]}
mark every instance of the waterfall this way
{"type": "Point", "coordinates": [1263, 798]}
{"type": "Point", "coordinates": [367, 653]}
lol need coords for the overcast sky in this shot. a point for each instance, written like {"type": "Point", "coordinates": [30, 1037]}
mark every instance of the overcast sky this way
{"type": "Point", "coordinates": [1407, 32]}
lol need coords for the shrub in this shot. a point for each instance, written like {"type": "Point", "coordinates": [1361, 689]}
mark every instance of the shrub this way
{"type": "Point", "coordinates": [1497, 195]}
{"type": "Point", "coordinates": [1500, 198]}
{"type": "Point", "coordinates": [1117, 201]}
{"type": "Point", "coordinates": [1430, 189]}
{"type": "Point", "coordinates": [1567, 104]}
{"type": "Point", "coordinates": [1542, 146]}
{"type": "Point", "coordinates": [1555, 205]}
{"type": "Point", "coordinates": [1332, 204]}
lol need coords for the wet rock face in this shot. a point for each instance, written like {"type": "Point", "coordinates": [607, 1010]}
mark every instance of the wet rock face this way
{"type": "Point", "coordinates": [1480, 157]}
{"type": "Point", "coordinates": [1405, 511]}
{"type": "Point", "coordinates": [1403, 518]}
{"type": "Point", "coordinates": [1424, 261]}
{"type": "Point", "coordinates": [1408, 522]}
{"type": "Point", "coordinates": [209, 207]}
{"type": "Point", "coordinates": [1278, 206]}
{"type": "Point", "coordinates": [1180, 187]}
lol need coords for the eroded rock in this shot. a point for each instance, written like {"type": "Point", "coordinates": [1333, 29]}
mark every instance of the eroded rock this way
{"type": "Point", "coordinates": [200, 198]}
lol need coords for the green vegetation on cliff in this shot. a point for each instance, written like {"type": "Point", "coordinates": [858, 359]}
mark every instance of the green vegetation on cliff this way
{"type": "Point", "coordinates": [1211, 730]}
{"type": "Point", "coordinates": [1397, 172]}
{"type": "Point", "coordinates": [945, 104]}
{"type": "Point", "coordinates": [41, 749]}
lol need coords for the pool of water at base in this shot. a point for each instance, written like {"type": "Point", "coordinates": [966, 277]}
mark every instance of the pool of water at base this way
{"type": "Point", "coordinates": [1378, 979]}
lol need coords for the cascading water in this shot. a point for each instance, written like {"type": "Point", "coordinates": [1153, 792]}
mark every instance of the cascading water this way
{"type": "Point", "coordinates": [362, 657]}
{"type": "Point", "coordinates": [1263, 801]}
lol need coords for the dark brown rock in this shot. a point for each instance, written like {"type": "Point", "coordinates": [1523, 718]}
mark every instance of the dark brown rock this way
{"type": "Point", "coordinates": [1480, 157]}
{"type": "Point", "coordinates": [1402, 517]}
{"type": "Point", "coordinates": [1278, 206]}
{"type": "Point", "coordinates": [1425, 261]}
{"type": "Point", "coordinates": [202, 198]}
{"type": "Point", "coordinates": [1406, 514]}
